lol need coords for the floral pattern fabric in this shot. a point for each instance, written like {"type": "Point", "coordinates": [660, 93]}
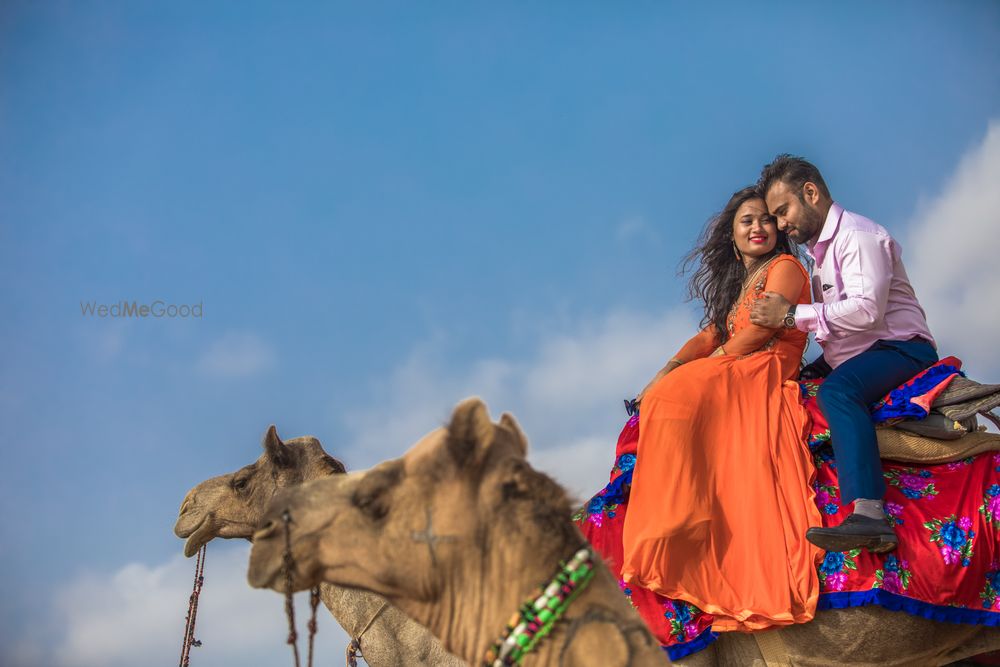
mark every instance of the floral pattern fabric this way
{"type": "Point", "coordinates": [947, 517]}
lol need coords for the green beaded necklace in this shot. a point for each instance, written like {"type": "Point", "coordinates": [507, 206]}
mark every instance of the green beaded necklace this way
{"type": "Point", "coordinates": [539, 613]}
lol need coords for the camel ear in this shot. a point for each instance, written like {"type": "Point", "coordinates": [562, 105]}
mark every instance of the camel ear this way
{"type": "Point", "coordinates": [469, 431]}
{"type": "Point", "coordinates": [276, 449]}
{"type": "Point", "coordinates": [517, 480]}
{"type": "Point", "coordinates": [508, 422]}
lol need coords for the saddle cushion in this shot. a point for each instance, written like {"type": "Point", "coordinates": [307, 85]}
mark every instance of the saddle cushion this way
{"type": "Point", "coordinates": [898, 445]}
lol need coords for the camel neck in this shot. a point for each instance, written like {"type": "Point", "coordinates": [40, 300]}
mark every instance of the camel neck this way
{"type": "Point", "coordinates": [599, 628]}
{"type": "Point", "coordinates": [545, 607]}
{"type": "Point", "coordinates": [600, 609]}
{"type": "Point", "coordinates": [476, 604]}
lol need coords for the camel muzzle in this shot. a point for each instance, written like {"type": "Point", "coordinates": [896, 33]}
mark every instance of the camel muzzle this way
{"type": "Point", "coordinates": [265, 531]}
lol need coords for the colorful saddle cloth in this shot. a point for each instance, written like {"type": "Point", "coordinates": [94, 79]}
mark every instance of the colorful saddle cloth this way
{"type": "Point", "coordinates": [947, 517]}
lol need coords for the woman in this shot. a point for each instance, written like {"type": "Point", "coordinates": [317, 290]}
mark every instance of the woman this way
{"type": "Point", "coordinates": [721, 495]}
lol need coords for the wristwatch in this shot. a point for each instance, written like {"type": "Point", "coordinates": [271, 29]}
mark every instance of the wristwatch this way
{"type": "Point", "coordinates": [789, 320]}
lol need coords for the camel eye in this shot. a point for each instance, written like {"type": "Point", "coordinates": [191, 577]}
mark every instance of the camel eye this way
{"type": "Point", "coordinates": [240, 483]}
{"type": "Point", "coordinates": [370, 494]}
{"type": "Point", "coordinates": [371, 502]}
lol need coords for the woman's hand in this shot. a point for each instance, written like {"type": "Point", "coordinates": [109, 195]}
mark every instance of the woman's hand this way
{"type": "Point", "coordinates": [656, 378]}
{"type": "Point", "coordinates": [671, 365]}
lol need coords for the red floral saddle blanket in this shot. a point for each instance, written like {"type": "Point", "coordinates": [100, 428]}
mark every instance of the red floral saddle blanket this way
{"type": "Point", "coordinates": [947, 518]}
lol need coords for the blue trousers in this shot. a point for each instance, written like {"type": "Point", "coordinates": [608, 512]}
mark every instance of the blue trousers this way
{"type": "Point", "coordinates": [845, 399]}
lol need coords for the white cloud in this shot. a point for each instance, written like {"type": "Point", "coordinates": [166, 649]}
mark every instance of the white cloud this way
{"type": "Point", "coordinates": [582, 464]}
{"type": "Point", "coordinates": [236, 355]}
{"type": "Point", "coordinates": [953, 259]}
{"type": "Point", "coordinates": [135, 616]}
{"type": "Point", "coordinates": [566, 394]}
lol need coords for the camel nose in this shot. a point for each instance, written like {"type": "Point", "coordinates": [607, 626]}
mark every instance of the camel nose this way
{"type": "Point", "coordinates": [187, 502]}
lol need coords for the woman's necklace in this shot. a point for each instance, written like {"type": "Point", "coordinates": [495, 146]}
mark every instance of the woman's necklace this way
{"type": "Point", "coordinates": [753, 276]}
{"type": "Point", "coordinates": [750, 280]}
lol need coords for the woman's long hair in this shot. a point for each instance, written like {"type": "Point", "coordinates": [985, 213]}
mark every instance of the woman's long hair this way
{"type": "Point", "coordinates": [720, 273]}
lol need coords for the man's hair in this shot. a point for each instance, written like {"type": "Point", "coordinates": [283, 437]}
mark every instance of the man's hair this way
{"type": "Point", "coordinates": [792, 171]}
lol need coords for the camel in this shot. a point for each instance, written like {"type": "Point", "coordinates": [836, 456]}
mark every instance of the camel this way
{"type": "Point", "coordinates": [458, 533]}
{"type": "Point", "coordinates": [231, 505]}
{"type": "Point", "coordinates": [459, 530]}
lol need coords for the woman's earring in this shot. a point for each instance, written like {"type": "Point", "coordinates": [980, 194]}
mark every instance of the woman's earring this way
{"type": "Point", "coordinates": [736, 251]}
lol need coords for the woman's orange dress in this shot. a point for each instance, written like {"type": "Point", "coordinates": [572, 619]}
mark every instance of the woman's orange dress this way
{"type": "Point", "coordinates": [721, 494]}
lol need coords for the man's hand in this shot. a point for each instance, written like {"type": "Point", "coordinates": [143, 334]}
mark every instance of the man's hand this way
{"type": "Point", "coordinates": [769, 310]}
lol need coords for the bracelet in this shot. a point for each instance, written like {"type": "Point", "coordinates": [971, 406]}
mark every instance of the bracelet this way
{"type": "Point", "coordinates": [675, 360]}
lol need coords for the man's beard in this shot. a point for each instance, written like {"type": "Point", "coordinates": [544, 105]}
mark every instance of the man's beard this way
{"type": "Point", "coordinates": [809, 226]}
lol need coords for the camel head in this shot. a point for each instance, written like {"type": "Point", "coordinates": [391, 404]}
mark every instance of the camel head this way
{"type": "Point", "coordinates": [461, 503]}
{"type": "Point", "coordinates": [231, 505]}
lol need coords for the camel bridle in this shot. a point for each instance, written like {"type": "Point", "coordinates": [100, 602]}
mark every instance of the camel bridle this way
{"type": "Point", "coordinates": [288, 565]}
{"type": "Point", "coordinates": [354, 648]}
{"type": "Point", "coordinates": [199, 580]}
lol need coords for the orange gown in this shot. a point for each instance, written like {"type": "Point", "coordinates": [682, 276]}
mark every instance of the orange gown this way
{"type": "Point", "coordinates": [722, 490]}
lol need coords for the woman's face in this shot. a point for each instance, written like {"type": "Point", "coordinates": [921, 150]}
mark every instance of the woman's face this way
{"type": "Point", "coordinates": [755, 231]}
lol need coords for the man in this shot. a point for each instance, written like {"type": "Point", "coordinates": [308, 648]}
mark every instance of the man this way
{"type": "Point", "coordinates": [872, 330]}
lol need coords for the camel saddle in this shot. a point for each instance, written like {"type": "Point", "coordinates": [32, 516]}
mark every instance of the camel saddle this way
{"type": "Point", "coordinates": [950, 431]}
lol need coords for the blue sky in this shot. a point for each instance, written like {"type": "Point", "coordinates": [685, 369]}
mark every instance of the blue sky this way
{"type": "Point", "coordinates": [385, 208]}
